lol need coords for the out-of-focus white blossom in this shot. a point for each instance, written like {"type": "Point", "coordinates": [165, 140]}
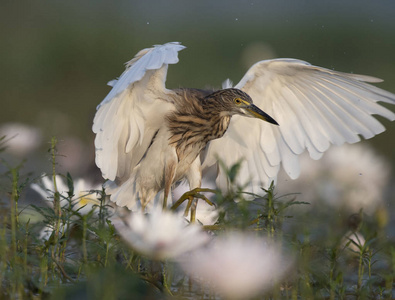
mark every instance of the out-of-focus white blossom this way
{"type": "Point", "coordinates": [85, 199]}
{"type": "Point", "coordinates": [21, 139]}
{"type": "Point", "coordinates": [352, 242]}
{"type": "Point", "coordinates": [161, 234]}
{"type": "Point", "coordinates": [237, 266]}
{"type": "Point", "coordinates": [349, 176]}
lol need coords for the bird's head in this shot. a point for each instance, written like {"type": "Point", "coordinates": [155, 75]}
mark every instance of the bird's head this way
{"type": "Point", "coordinates": [236, 102]}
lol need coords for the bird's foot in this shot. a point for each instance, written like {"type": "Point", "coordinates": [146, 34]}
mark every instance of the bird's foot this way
{"type": "Point", "coordinates": [192, 197]}
{"type": "Point", "coordinates": [195, 193]}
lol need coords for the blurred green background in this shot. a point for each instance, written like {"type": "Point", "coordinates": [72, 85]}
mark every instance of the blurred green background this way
{"type": "Point", "coordinates": [57, 56]}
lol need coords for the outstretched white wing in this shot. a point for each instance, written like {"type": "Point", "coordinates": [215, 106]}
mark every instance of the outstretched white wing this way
{"type": "Point", "coordinates": [127, 119]}
{"type": "Point", "coordinates": [314, 106]}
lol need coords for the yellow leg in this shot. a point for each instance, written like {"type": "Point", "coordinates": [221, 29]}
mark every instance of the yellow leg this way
{"type": "Point", "coordinates": [165, 202]}
{"type": "Point", "coordinates": [190, 199]}
{"type": "Point", "coordinates": [194, 194]}
{"type": "Point", "coordinates": [193, 211]}
{"type": "Point", "coordinates": [192, 204]}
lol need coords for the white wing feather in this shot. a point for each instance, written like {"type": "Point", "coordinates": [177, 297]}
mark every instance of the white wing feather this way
{"type": "Point", "coordinates": [315, 108]}
{"type": "Point", "coordinates": [129, 116]}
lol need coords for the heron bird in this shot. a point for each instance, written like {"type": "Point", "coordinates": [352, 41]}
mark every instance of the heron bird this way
{"type": "Point", "coordinates": [149, 137]}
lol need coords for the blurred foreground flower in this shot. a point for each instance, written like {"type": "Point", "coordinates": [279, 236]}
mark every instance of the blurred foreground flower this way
{"type": "Point", "coordinates": [21, 139]}
{"type": "Point", "coordinates": [353, 242]}
{"type": "Point", "coordinates": [350, 177]}
{"type": "Point", "coordinates": [85, 198]}
{"type": "Point", "coordinates": [237, 266]}
{"type": "Point", "coordinates": [161, 234]}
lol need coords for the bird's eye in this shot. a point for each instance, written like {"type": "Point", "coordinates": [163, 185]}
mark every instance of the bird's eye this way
{"type": "Point", "coordinates": [238, 101]}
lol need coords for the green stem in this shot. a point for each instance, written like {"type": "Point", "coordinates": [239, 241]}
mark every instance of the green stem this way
{"type": "Point", "coordinates": [360, 274]}
{"type": "Point", "coordinates": [106, 257]}
{"type": "Point", "coordinates": [101, 208]}
{"type": "Point", "coordinates": [270, 213]}
{"type": "Point", "coordinates": [165, 284]}
{"type": "Point", "coordinates": [56, 198]}
{"type": "Point", "coordinates": [14, 209]}
{"type": "Point", "coordinates": [84, 250]}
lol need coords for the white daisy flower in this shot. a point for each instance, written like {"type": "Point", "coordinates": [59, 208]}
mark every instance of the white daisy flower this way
{"type": "Point", "coordinates": [353, 242]}
{"type": "Point", "coordinates": [161, 234]}
{"type": "Point", "coordinates": [237, 266]}
{"type": "Point", "coordinates": [84, 201]}
{"type": "Point", "coordinates": [350, 177]}
{"type": "Point", "coordinates": [21, 139]}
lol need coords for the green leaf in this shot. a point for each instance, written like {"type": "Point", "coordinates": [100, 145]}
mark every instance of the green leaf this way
{"type": "Point", "coordinates": [70, 185]}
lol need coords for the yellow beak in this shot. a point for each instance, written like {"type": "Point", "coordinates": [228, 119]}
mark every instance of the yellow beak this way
{"type": "Point", "coordinates": [256, 112]}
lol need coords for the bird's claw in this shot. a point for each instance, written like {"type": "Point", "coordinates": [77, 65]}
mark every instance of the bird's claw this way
{"type": "Point", "coordinates": [195, 193]}
{"type": "Point", "coordinates": [192, 197]}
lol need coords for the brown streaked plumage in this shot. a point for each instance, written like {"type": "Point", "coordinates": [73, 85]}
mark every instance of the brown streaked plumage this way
{"type": "Point", "coordinates": [201, 116]}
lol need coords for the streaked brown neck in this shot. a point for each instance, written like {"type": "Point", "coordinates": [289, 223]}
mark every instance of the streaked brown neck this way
{"type": "Point", "coordinates": [195, 123]}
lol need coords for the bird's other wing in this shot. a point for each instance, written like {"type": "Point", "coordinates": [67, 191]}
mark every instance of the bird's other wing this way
{"type": "Point", "coordinates": [130, 115]}
{"type": "Point", "coordinates": [315, 107]}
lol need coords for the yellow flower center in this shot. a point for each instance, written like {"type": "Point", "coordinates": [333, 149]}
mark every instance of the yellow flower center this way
{"type": "Point", "coordinates": [85, 198]}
